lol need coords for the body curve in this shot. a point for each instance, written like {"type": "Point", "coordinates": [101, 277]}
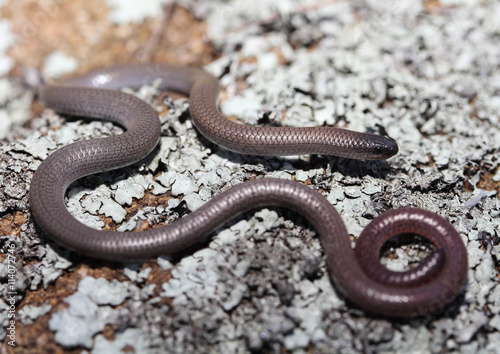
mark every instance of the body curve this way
{"type": "Point", "coordinates": [439, 279]}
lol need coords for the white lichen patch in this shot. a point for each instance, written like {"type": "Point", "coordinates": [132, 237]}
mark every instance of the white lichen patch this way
{"type": "Point", "coordinates": [76, 325]}
{"type": "Point", "coordinates": [30, 313]}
